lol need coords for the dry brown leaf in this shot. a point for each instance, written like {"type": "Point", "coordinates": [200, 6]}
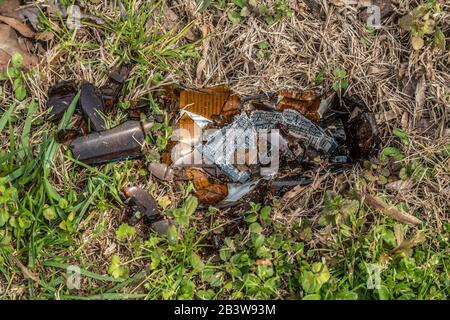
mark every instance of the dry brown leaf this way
{"type": "Point", "coordinates": [405, 121]}
{"type": "Point", "coordinates": [388, 210]}
{"type": "Point", "coordinates": [11, 45]}
{"type": "Point", "coordinates": [399, 185]}
{"type": "Point", "coordinates": [292, 194]}
{"type": "Point", "coordinates": [263, 262]}
{"type": "Point", "coordinates": [207, 189]}
{"type": "Point", "coordinates": [398, 231]}
{"type": "Point", "coordinates": [205, 51]}
{"type": "Point", "coordinates": [406, 245]}
{"type": "Point", "coordinates": [298, 6]}
{"type": "Point", "coordinates": [386, 116]}
{"type": "Point", "coordinates": [420, 92]}
{"type": "Point", "coordinates": [338, 3]}
{"type": "Point", "coordinates": [45, 36]}
{"type": "Point", "coordinates": [20, 27]}
{"type": "Point", "coordinates": [26, 272]}
{"type": "Point", "coordinates": [8, 7]}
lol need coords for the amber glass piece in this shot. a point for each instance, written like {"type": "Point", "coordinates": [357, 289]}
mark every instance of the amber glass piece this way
{"type": "Point", "coordinates": [141, 202]}
{"type": "Point", "coordinates": [161, 171]}
{"type": "Point", "coordinates": [110, 92]}
{"type": "Point", "coordinates": [308, 103]}
{"type": "Point", "coordinates": [207, 189]}
{"type": "Point", "coordinates": [211, 103]}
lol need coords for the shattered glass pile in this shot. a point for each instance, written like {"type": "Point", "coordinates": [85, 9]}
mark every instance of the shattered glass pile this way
{"type": "Point", "coordinates": [263, 137]}
{"type": "Point", "coordinates": [228, 146]}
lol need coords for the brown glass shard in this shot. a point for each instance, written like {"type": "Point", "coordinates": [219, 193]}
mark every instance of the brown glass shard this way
{"type": "Point", "coordinates": [316, 131]}
{"type": "Point", "coordinates": [308, 103]}
{"type": "Point", "coordinates": [161, 227]}
{"type": "Point", "coordinates": [139, 107]}
{"type": "Point", "coordinates": [280, 186]}
{"type": "Point", "coordinates": [59, 98]}
{"type": "Point", "coordinates": [161, 171]}
{"type": "Point", "coordinates": [141, 205]}
{"type": "Point", "coordinates": [123, 142]}
{"type": "Point", "coordinates": [363, 138]}
{"type": "Point", "coordinates": [119, 74]}
{"type": "Point", "coordinates": [212, 103]}
{"type": "Point", "coordinates": [217, 103]}
{"type": "Point", "coordinates": [65, 135]}
{"type": "Point", "coordinates": [110, 92]}
{"type": "Point", "coordinates": [91, 106]}
{"type": "Point", "coordinates": [207, 189]}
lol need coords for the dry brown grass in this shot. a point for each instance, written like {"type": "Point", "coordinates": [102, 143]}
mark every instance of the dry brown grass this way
{"type": "Point", "coordinates": [379, 64]}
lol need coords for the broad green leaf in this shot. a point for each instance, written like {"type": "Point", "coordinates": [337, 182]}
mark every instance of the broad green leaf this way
{"type": "Point", "coordinates": [4, 215]}
{"type": "Point", "coordinates": [206, 294]}
{"type": "Point", "coordinates": [264, 272]}
{"type": "Point", "coordinates": [190, 205]}
{"type": "Point", "coordinates": [196, 262]}
{"type": "Point", "coordinates": [255, 227]}
{"type": "Point", "coordinates": [312, 297]}
{"type": "Point", "coordinates": [115, 269]}
{"type": "Point", "coordinates": [20, 93]}
{"type": "Point", "coordinates": [339, 73]}
{"type": "Point", "coordinates": [259, 240]}
{"type": "Point", "coordinates": [344, 84]}
{"type": "Point", "coordinates": [245, 12]}
{"type": "Point", "coordinates": [240, 3]}
{"type": "Point", "coordinates": [383, 293]}
{"type": "Point", "coordinates": [391, 152]}
{"type": "Point", "coordinates": [321, 271]}
{"type": "Point", "coordinates": [265, 214]}
{"type": "Point", "coordinates": [125, 231]}
{"type": "Point", "coordinates": [172, 234]}
{"type": "Point", "coordinates": [310, 283]}
{"type": "Point", "coordinates": [50, 213]}
{"type": "Point", "coordinates": [234, 17]}
{"type": "Point", "coordinates": [389, 237]}
{"type": "Point", "coordinates": [17, 60]}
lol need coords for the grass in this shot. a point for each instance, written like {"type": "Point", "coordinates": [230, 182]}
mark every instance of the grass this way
{"type": "Point", "coordinates": [57, 213]}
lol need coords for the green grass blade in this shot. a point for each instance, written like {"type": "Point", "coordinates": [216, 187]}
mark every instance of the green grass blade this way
{"type": "Point", "coordinates": [25, 137]}
{"type": "Point", "coordinates": [5, 117]}
{"type": "Point", "coordinates": [108, 296]}
{"type": "Point", "coordinates": [83, 272]}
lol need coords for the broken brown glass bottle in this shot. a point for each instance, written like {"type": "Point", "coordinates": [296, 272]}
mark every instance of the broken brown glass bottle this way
{"type": "Point", "coordinates": [142, 206]}
{"type": "Point", "coordinates": [60, 96]}
{"type": "Point", "coordinates": [318, 131]}
{"type": "Point", "coordinates": [120, 143]}
{"type": "Point", "coordinates": [111, 90]}
{"type": "Point", "coordinates": [91, 106]}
